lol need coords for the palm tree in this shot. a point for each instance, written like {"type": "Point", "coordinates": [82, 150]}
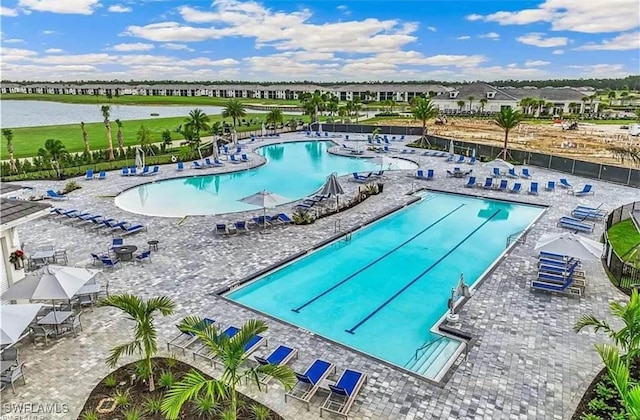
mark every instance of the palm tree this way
{"type": "Point", "coordinates": [216, 129]}
{"type": "Point", "coordinates": [627, 337]}
{"type": "Point", "coordinates": [584, 100]}
{"type": "Point", "coordinates": [275, 118]}
{"type": "Point", "coordinates": [460, 105]}
{"type": "Point", "coordinates": [573, 106]}
{"type": "Point", "coordinates": [619, 373]}
{"type": "Point", "coordinates": [85, 138]}
{"type": "Point", "coordinates": [53, 151]}
{"type": "Point", "coordinates": [144, 138]}
{"type": "Point", "coordinates": [470, 98]}
{"type": "Point", "coordinates": [120, 138]}
{"type": "Point", "coordinates": [314, 103]}
{"type": "Point", "coordinates": [357, 107]}
{"type": "Point", "coordinates": [507, 119]}
{"type": "Point", "coordinates": [483, 104]}
{"type": "Point", "coordinates": [292, 124]}
{"type": "Point", "coordinates": [8, 134]}
{"type": "Point", "coordinates": [624, 153]}
{"type": "Point", "coordinates": [232, 355]}
{"type": "Point", "coordinates": [106, 113]}
{"type": "Point", "coordinates": [234, 110]}
{"type": "Point", "coordinates": [145, 340]}
{"type": "Point", "coordinates": [342, 112]}
{"type": "Point", "coordinates": [423, 111]}
{"type": "Point", "coordinates": [198, 122]}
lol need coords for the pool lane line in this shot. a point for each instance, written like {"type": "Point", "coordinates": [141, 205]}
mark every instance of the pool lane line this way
{"type": "Point", "coordinates": [399, 292]}
{"type": "Point", "coordinates": [352, 275]}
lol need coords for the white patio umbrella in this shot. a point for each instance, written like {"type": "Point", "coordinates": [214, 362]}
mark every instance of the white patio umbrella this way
{"type": "Point", "coordinates": [571, 245]}
{"type": "Point", "coordinates": [263, 131]}
{"type": "Point", "coordinates": [499, 163]}
{"type": "Point", "coordinates": [15, 319]}
{"type": "Point", "coordinates": [234, 137]}
{"type": "Point", "coordinates": [264, 199]}
{"type": "Point", "coordinates": [332, 187]}
{"type": "Point", "coordinates": [451, 148]}
{"type": "Point", "coordinates": [139, 158]}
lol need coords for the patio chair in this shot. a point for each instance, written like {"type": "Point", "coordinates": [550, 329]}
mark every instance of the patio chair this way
{"type": "Point", "coordinates": [241, 226]}
{"type": "Point", "coordinates": [533, 189]}
{"type": "Point", "coordinates": [102, 175]}
{"type": "Point", "coordinates": [284, 218]}
{"type": "Point", "coordinates": [52, 195]}
{"type": "Point", "coordinates": [309, 381]}
{"type": "Point", "coordinates": [155, 171]}
{"type": "Point", "coordinates": [471, 182]}
{"type": "Point", "coordinates": [131, 229]}
{"type": "Point", "coordinates": [344, 393]}
{"type": "Point", "coordinates": [565, 184]}
{"type": "Point", "coordinates": [197, 165]}
{"type": "Point", "coordinates": [15, 373]}
{"type": "Point", "coordinates": [144, 255]}
{"type": "Point", "coordinates": [450, 158]}
{"type": "Point", "coordinates": [110, 264]}
{"type": "Point", "coordinates": [460, 159]}
{"type": "Point", "coordinates": [145, 171]}
{"type": "Point", "coordinates": [525, 173]}
{"type": "Point", "coordinates": [40, 331]}
{"type": "Point", "coordinates": [97, 258]}
{"type": "Point", "coordinates": [575, 224]}
{"type": "Point", "coordinates": [89, 174]}
{"type": "Point", "coordinates": [503, 185]}
{"type": "Point", "coordinates": [517, 187]}
{"type": "Point", "coordinates": [244, 158]}
{"type": "Point", "coordinates": [87, 301]}
{"type": "Point", "coordinates": [232, 159]}
{"type": "Point", "coordinates": [472, 160]}
{"type": "Point", "coordinates": [180, 167]}
{"type": "Point", "coordinates": [133, 171]}
{"type": "Point", "coordinates": [72, 324]}
{"type": "Point", "coordinates": [280, 356]}
{"type": "Point", "coordinates": [186, 339]}
{"type": "Point", "coordinates": [116, 242]}
{"type": "Point", "coordinates": [511, 173]}
{"type": "Point", "coordinates": [10, 354]}
{"type": "Point", "coordinates": [551, 186]}
{"type": "Point", "coordinates": [204, 351]}
{"type": "Point", "coordinates": [252, 345]}
{"type": "Point", "coordinates": [104, 291]}
{"type": "Point", "coordinates": [221, 229]}
{"type": "Point", "coordinates": [60, 257]}
{"type": "Point", "coordinates": [488, 183]}
{"type": "Point", "coordinates": [496, 173]}
{"type": "Point", "coordinates": [216, 162]}
{"type": "Point", "coordinates": [125, 171]}
{"type": "Point", "coordinates": [586, 190]}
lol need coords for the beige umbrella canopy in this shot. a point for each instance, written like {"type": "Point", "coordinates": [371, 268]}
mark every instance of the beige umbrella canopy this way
{"type": "Point", "coordinates": [264, 199]}
{"type": "Point", "coordinates": [15, 319]}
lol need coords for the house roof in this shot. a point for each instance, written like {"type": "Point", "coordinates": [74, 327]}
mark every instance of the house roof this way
{"type": "Point", "coordinates": [479, 91]}
{"type": "Point", "coordinates": [9, 188]}
{"type": "Point", "coordinates": [549, 94]}
{"type": "Point", "coordinates": [11, 211]}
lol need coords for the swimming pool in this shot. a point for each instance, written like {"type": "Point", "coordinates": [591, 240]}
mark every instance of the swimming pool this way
{"type": "Point", "coordinates": [383, 290]}
{"type": "Point", "coordinates": [293, 170]}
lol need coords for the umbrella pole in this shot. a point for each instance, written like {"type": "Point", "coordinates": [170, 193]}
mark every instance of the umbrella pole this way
{"type": "Point", "coordinates": [264, 218]}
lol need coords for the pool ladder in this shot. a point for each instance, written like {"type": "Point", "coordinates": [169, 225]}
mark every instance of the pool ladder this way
{"type": "Point", "coordinates": [337, 228]}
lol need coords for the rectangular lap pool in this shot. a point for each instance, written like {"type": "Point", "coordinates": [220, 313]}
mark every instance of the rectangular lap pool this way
{"type": "Point", "coordinates": [384, 289]}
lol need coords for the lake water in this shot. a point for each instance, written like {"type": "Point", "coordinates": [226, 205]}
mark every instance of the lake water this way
{"type": "Point", "coordinates": [36, 113]}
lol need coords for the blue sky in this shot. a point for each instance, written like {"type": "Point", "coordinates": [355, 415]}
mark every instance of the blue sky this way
{"type": "Point", "coordinates": [318, 40]}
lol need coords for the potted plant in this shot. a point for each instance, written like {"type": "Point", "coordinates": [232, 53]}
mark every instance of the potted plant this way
{"type": "Point", "coordinates": [16, 258]}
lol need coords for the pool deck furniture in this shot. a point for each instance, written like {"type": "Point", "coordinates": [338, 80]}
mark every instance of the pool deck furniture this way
{"type": "Point", "coordinates": [131, 229]}
{"type": "Point", "coordinates": [197, 165]}
{"type": "Point", "coordinates": [359, 178]}
{"type": "Point", "coordinates": [496, 173]}
{"type": "Point", "coordinates": [55, 319]}
{"type": "Point", "coordinates": [153, 244]}
{"type": "Point", "coordinates": [186, 339]}
{"type": "Point", "coordinates": [252, 345]}
{"type": "Point", "coordinates": [586, 190]}
{"type": "Point", "coordinates": [344, 393]}
{"type": "Point", "coordinates": [565, 184]}
{"type": "Point", "coordinates": [420, 174]}
{"type": "Point", "coordinates": [52, 195]}
{"type": "Point", "coordinates": [512, 173]}
{"type": "Point", "coordinates": [586, 215]}
{"type": "Point", "coordinates": [102, 175]}
{"type": "Point", "coordinates": [503, 185]}
{"type": "Point", "coordinates": [205, 352]}
{"type": "Point", "coordinates": [125, 252]}
{"type": "Point", "coordinates": [517, 187]}
{"type": "Point", "coordinates": [525, 173]}
{"type": "Point", "coordinates": [280, 356]}
{"type": "Point", "coordinates": [575, 224]}
{"type": "Point", "coordinates": [221, 229]}
{"type": "Point", "coordinates": [533, 189]}
{"type": "Point", "coordinates": [284, 218]}
{"type": "Point", "coordinates": [598, 211]}
{"type": "Point", "coordinates": [551, 186]}
{"type": "Point", "coordinates": [471, 182]}
{"type": "Point", "coordinates": [89, 174]}
{"type": "Point", "coordinates": [472, 160]}
{"type": "Point", "coordinates": [180, 167]}
{"type": "Point", "coordinates": [125, 171]}
{"type": "Point", "coordinates": [309, 382]}
{"type": "Point", "coordinates": [488, 183]}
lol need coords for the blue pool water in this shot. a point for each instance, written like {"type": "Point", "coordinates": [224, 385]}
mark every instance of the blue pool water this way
{"type": "Point", "coordinates": [383, 290]}
{"type": "Point", "coordinates": [293, 170]}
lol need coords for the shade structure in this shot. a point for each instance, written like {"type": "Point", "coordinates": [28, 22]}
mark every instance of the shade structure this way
{"type": "Point", "coordinates": [15, 319]}
{"type": "Point", "coordinates": [264, 199]}
{"type": "Point", "coordinates": [571, 245]}
{"type": "Point", "coordinates": [263, 130]}
{"type": "Point", "coordinates": [499, 163]}
{"type": "Point", "coordinates": [451, 148]}
{"type": "Point", "coordinates": [332, 187]}
{"type": "Point", "coordinates": [234, 137]}
{"type": "Point", "coordinates": [57, 283]}
{"type": "Point", "coordinates": [139, 158]}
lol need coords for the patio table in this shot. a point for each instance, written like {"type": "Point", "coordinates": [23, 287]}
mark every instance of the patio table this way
{"type": "Point", "coordinates": [55, 319]}
{"type": "Point", "coordinates": [125, 253]}
{"type": "Point", "coordinates": [42, 255]}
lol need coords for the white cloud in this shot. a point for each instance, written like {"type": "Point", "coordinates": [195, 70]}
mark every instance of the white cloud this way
{"type": "Point", "coordinates": [171, 46]}
{"type": "Point", "coordinates": [78, 7]}
{"type": "Point", "coordinates": [118, 8]}
{"type": "Point", "coordinates": [344, 9]}
{"type": "Point", "coordinates": [135, 46]}
{"type": "Point", "coordinates": [463, 38]}
{"type": "Point", "coordinates": [54, 51]}
{"type": "Point", "coordinates": [171, 31]}
{"type": "Point", "coordinates": [432, 28]}
{"type": "Point", "coordinates": [601, 70]}
{"type": "Point", "coordinates": [8, 12]}
{"type": "Point", "coordinates": [491, 35]}
{"type": "Point", "coordinates": [628, 41]}
{"type": "Point", "coordinates": [474, 17]}
{"type": "Point", "coordinates": [573, 15]}
{"type": "Point", "coordinates": [48, 32]}
{"type": "Point", "coordinates": [536, 39]}
{"type": "Point", "coordinates": [15, 54]}
{"type": "Point", "coordinates": [13, 41]}
{"type": "Point", "coordinates": [557, 52]}
{"type": "Point", "coordinates": [536, 63]}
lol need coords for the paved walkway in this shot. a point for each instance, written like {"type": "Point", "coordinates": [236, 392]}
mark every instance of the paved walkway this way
{"type": "Point", "coordinates": [526, 364]}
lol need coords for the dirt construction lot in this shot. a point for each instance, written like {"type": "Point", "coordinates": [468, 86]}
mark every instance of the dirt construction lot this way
{"type": "Point", "coordinates": [589, 142]}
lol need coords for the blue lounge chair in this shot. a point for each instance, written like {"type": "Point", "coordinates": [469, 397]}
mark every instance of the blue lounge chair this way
{"type": "Point", "coordinates": [97, 258]}
{"type": "Point", "coordinates": [207, 162]}
{"type": "Point", "coordinates": [552, 255]}
{"type": "Point", "coordinates": [471, 182]}
{"type": "Point", "coordinates": [204, 351]}
{"type": "Point", "coordinates": [221, 229]}
{"type": "Point", "coordinates": [131, 229]}
{"type": "Point", "coordinates": [586, 215]}
{"type": "Point", "coordinates": [89, 174]}
{"type": "Point", "coordinates": [359, 178]}
{"type": "Point", "coordinates": [525, 173]}
{"type": "Point", "coordinates": [263, 220]}
{"type": "Point", "coordinates": [488, 183]}
{"type": "Point", "coordinates": [155, 171]}
{"type": "Point", "coordinates": [599, 211]}
{"type": "Point", "coordinates": [180, 166]}
{"type": "Point", "coordinates": [52, 195]}
{"type": "Point", "coordinates": [551, 186]}
{"type": "Point", "coordinates": [233, 159]}
{"type": "Point", "coordinates": [284, 218]}
{"type": "Point", "coordinates": [496, 173]}
{"type": "Point", "coordinates": [144, 255]}
{"type": "Point", "coordinates": [115, 243]}
{"type": "Point", "coordinates": [101, 224]}
{"type": "Point", "coordinates": [460, 159]}
{"type": "Point", "coordinates": [517, 187]}
{"type": "Point", "coordinates": [110, 264]}
{"type": "Point", "coordinates": [133, 171]}
{"type": "Point", "coordinates": [145, 171]}
{"type": "Point", "coordinates": [512, 173]}
{"type": "Point", "coordinates": [244, 158]}
{"type": "Point", "coordinates": [216, 162]}
{"type": "Point", "coordinates": [344, 393]}
{"type": "Point", "coordinates": [125, 171]}
{"type": "Point", "coordinates": [472, 160]}
{"type": "Point", "coordinates": [116, 226]}
{"type": "Point", "coordinates": [186, 338]}
{"type": "Point", "coordinates": [450, 158]}
{"type": "Point", "coordinates": [533, 189]}
{"type": "Point", "coordinates": [241, 226]}
{"type": "Point", "coordinates": [252, 345]}
{"type": "Point", "coordinates": [503, 185]}
{"type": "Point", "coordinates": [197, 165]}
{"type": "Point", "coordinates": [586, 190]}
{"type": "Point", "coordinates": [309, 381]}
{"type": "Point", "coordinates": [565, 184]}
{"type": "Point", "coordinates": [89, 219]}
{"type": "Point", "coordinates": [102, 175]}
{"type": "Point", "coordinates": [575, 224]}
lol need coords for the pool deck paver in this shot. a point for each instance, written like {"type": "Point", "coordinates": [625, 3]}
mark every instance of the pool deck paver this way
{"type": "Point", "coordinates": [527, 362]}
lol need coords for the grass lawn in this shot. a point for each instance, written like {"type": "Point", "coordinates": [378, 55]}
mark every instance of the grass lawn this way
{"type": "Point", "coordinates": [141, 100]}
{"type": "Point", "coordinates": [27, 140]}
{"type": "Point", "coordinates": [624, 238]}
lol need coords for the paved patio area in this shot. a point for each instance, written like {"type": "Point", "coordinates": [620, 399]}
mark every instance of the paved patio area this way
{"type": "Point", "coordinates": [527, 362]}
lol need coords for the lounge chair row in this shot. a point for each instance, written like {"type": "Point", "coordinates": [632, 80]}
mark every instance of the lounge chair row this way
{"type": "Point", "coordinates": [253, 137]}
{"type": "Point", "coordinates": [384, 138]}
{"type": "Point", "coordinates": [341, 396]}
{"type": "Point", "coordinates": [371, 176]}
{"type": "Point", "coordinates": [460, 159]}
{"type": "Point", "coordinates": [96, 222]}
{"type": "Point", "coordinates": [89, 175]}
{"type": "Point", "coordinates": [352, 150]}
{"type": "Point", "coordinates": [559, 273]}
{"type": "Point", "coordinates": [206, 164]}
{"type": "Point", "coordinates": [309, 202]}
{"type": "Point", "coordinates": [133, 171]}
{"type": "Point", "coordinates": [244, 226]}
{"type": "Point", "coordinates": [588, 213]}
{"type": "Point", "coordinates": [511, 173]}
{"type": "Point", "coordinates": [502, 186]}
{"type": "Point", "coordinates": [587, 189]}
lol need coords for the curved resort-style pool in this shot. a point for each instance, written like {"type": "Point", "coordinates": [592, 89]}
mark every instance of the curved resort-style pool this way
{"type": "Point", "coordinates": [293, 170]}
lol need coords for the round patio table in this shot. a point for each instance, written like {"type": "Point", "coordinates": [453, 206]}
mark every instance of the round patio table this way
{"type": "Point", "coordinates": [125, 252]}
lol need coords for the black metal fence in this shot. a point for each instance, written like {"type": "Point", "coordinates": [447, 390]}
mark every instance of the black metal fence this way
{"type": "Point", "coordinates": [625, 275]}
{"type": "Point", "coordinates": [609, 173]}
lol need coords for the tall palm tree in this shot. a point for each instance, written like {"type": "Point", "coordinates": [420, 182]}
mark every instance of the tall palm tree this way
{"type": "Point", "coordinates": [628, 336]}
{"type": "Point", "coordinates": [8, 134]}
{"type": "Point", "coordinates": [292, 124]}
{"type": "Point", "coordinates": [234, 110]}
{"type": "Point", "coordinates": [120, 138]}
{"type": "Point", "coordinates": [483, 104]}
{"type": "Point", "coordinates": [584, 100]}
{"type": "Point", "coordinates": [85, 138]}
{"type": "Point", "coordinates": [342, 112]}
{"type": "Point", "coordinates": [470, 98]}
{"type": "Point", "coordinates": [357, 107]}
{"type": "Point", "coordinates": [53, 151]}
{"type": "Point", "coordinates": [145, 341]}
{"type": "Point", "coordinates": [424, 110]}
{"type": "Point", "coordinates": [507, 119]}
{"type": "Point", "coordinates": [231, 352]}
{"type": "Point", "coordinates": [460, 105]}
{"type": "Point", "coordinates": [274, 117]}
{"type": "Point", "coordinates": [106, 113]}
{"type": "Point", "coordinates": [619, 372]}
{"type": "Point", "coordinates": [198, 122]}
{"type": "Point", "coordinates": [626, 153]}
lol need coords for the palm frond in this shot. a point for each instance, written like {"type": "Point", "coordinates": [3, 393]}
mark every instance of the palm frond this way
{"type": "Point", "coordinates": [249, 329]}
{"type": "Point", "coordinates": [130, 304]}
{"type": "Point", "coordinates": [633, 402]}
{"type": "Point", "coordinates": [281, 373]}
{"type": "Point", "coordinates": [592, 321]}
{"type": "Point", "coordinates": [123, 350]}
{"type": "Point", "coordinates": [164, 304]}
{"type": "Point", "coordinates": [185, 390]}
